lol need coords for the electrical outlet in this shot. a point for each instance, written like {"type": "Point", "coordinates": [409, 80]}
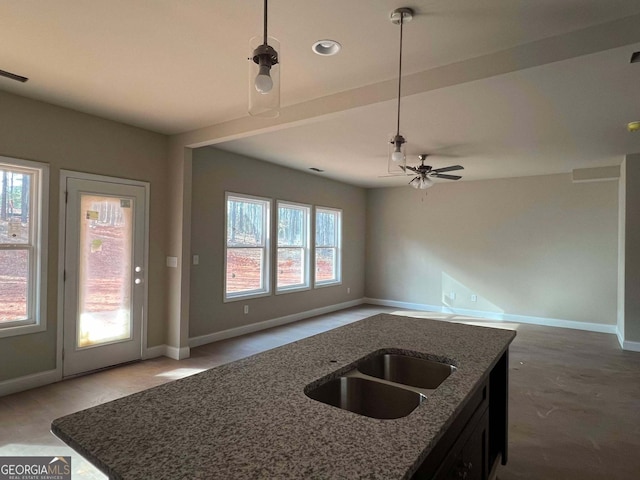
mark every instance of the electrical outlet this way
{"type": "Point", "coordinates": [348, 289]}
{"type": "Point", "coordinates": [452, 295]}
{"type": "Point", "coordinates": [246, 309]}
{"type": "Point", "coordinates": [196, 259]}
{"type": "Point", "coordinates": [474, 298]}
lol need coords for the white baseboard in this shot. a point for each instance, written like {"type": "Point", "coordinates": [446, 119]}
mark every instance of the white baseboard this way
{"type": "Point", "coordinates": [167, 351]}
{"type": "Point", "coordinates": [620, 338]}
{"type": "Point", "coordinates": [628, 345]}
{"type": "Point", "coordinates": [631, 346]}
{"type": "Point", "coordinates": [27, 382]}
{"type": "Point", "coordinates": [500, 317]}
{"type": "Point", "coordinates": [274, 322]}
{"type": "Point", "coordinates": [177, 353]}
{"type": "Point", "coordinates": [154, 352]}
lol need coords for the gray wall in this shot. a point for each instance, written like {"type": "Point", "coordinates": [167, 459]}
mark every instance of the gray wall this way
{"type": "Point", "coordinates": [66, 139]}
{"type": "Point", "coordinates": [216, 171]}
{"type": "Point", "coordinates": [631, 257]}
{"type": "Point", "coordinates": [537, 246]}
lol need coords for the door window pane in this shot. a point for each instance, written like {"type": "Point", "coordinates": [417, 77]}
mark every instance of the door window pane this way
{"type": "Point", "coordinates": [106, 249]}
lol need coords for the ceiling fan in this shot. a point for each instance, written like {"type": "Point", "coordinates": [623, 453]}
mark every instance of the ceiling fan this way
{"type": "Point", "coordinates": [422, 180]}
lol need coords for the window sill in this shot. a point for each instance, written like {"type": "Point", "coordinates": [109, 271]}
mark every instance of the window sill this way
{"type": "Point", "coordinates": [304, 288]}
{"type": "Point", "coordinates": [13, 331]}
{"type": "Point", "coordinates": [327, 284]}
{"type": "Point", "coordinates": [246, 296]}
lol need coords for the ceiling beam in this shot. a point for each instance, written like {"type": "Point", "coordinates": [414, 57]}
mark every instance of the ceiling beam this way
{"type": "Point", "coordinates": [606, 36]}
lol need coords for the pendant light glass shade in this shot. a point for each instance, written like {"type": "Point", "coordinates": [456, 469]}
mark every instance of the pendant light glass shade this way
{"type": "Point", "coordinates": [264, 77]}
{"type": "Point", "coordinates": [396, 149]}
{"type": "Point", "coordinates": [396, 160]}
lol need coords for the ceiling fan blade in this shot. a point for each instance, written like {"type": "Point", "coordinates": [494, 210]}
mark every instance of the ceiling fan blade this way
{"type": "Point", "coordinates": [448, 177]}
{"type": "Point", "coordinates": [413, 169]}
{"type": "Point", "coordinates": [448, 169]}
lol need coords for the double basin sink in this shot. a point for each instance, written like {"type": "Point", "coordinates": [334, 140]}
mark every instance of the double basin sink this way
{"type": "Point", "coordinates": [384, 385]}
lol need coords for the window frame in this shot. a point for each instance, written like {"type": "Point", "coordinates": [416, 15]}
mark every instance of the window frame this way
{"type": "Point", "coordinates": [306, 257]}
{"type": "Point", "coordinates": [266, 267]}
{"type": "Point", "coordinates": [37, 248]}
{"type": "Point", "coordinates": [338, 248]}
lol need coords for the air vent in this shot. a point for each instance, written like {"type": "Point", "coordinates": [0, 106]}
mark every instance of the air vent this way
{"type": "Point", "coordinates": [13, 76]}
{"type": "Point", "coordinates": [635, 57]}
{"type": "Point", "coordinates": [316, 169]}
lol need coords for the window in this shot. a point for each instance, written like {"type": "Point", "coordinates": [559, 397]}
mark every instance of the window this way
{"type": "Point", "coordinates": [328, 248]}
{"type": "Point", "coordinates": [293, 247]}
{"type": "Point", "coordinates": [247, 246]}
{"type": "Point", "coordinates": [23, 219]}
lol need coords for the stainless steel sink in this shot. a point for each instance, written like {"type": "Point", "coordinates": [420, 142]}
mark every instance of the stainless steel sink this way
{"type": "Point", "coordinates": [412, 371]}
{"type": "Point", "coordinates": [367, 397]}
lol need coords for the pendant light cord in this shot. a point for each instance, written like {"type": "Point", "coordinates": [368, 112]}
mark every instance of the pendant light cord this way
{"type": "Point", "coordinates": [265, 22]}
{"type": "Point", "coordinates": [399, 73]}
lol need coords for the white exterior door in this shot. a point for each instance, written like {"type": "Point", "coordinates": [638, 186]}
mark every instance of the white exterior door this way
{"type": "Point", "coordinates": [104, 274]}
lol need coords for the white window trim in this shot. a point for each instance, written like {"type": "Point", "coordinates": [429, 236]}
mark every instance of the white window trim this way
{"type": "Point", "coordinates": [38, 270]}
{"type": "Point", "coordinates": [338, 280]}
{"type": "Point", "coordinates": [306, 247]}
{"type": "Point", "coordinates": [266, 280]}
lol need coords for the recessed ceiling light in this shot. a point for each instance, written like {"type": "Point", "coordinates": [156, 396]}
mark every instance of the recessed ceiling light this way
{"type": "Point", "coordinates": [635, 57]}
{"type": "Point", "coordinates": [326, 48]}
{"type": "Point", "coordinates": [633, 126]}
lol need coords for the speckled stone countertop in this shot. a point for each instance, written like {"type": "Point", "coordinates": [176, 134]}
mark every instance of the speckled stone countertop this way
{"type": "Point", "coordinates": [251, 418]}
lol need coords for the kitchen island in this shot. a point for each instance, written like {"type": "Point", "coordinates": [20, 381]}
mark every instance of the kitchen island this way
{"type": "Point", "coordinates": [252, 419]}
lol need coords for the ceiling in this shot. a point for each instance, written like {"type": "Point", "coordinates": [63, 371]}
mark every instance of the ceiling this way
{"type": "Point", "coordinates": [503, 87]}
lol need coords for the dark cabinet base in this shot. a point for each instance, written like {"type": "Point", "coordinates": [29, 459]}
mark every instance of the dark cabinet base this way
{"type": "Point", "coordinates": [477, 439]}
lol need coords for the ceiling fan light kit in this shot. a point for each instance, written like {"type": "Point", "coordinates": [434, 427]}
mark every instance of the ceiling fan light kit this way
{"type": "Point", "coordinates": [421, 183]}
{"type": "Point", "coordinates": [424, 173]}
{"type": "Point", "coordinates": [397, 144]}
{"type": "Point", "coordinates": [264, 74]}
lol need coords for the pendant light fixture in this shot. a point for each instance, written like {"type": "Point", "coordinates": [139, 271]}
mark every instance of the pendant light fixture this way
{"type": "Point", "coordinates": [264, 74]}
{"type": "Point", "coordinates": [397, 143]}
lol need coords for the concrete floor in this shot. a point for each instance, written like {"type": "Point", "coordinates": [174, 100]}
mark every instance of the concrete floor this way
{"type": "Point", "coordinates": [574, 398]}
{"type": "Point", "coordinates": [574, 406]}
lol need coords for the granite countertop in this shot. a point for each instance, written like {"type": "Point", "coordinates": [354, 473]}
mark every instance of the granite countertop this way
{"type": "Point", "coordinates": [251, 418]}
